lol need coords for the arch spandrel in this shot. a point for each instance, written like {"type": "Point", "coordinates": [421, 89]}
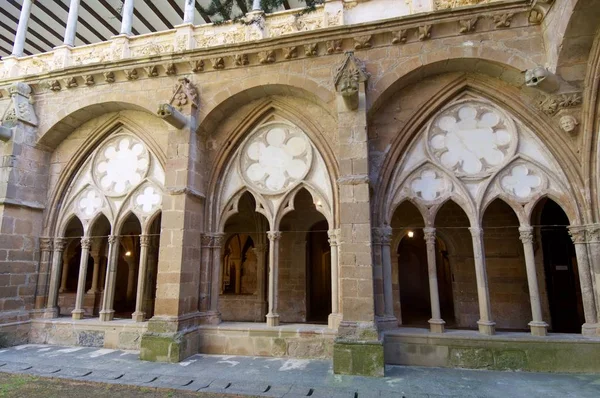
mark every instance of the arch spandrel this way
{"type": "Point", "coordinates": [276, 159]}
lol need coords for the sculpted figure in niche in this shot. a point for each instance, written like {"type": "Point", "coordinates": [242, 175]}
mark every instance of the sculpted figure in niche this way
{"type": "Point", "coordinates": [568, 124]}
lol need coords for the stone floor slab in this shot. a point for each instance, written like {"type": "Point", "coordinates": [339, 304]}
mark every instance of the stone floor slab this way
{"type": "Point", "coordinates": [105, 375]}
{"type": "Point", "coordinates": [43, 370]}
{"type": "Point", "coordinates": [172, 381]}
{"type": "Point", "coordinates": [325, 392]}
{"type": "Point", "coordinates": [73, 372]}
{"type": "Point", "coordinates": [137, 378]}
{"type": "Point", "coordinates": [197, 385]}
{"type": "Point", "coordinates": [15, 367]}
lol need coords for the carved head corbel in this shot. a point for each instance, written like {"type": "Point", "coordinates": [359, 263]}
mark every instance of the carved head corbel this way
{"type": "Point", "coordinates": [348, 78]}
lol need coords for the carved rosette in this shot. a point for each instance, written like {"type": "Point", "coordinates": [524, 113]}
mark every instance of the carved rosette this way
{"type": "Point", "coordinates": [275, 158]}
{"type": "Point", "coordinates": [147, 200]}
{"type": "Point", "coordinates": [522, 181]}
{"type": "Point", "coordinates": [472, 139]}
{"type": "Point", "coordinates": [120, 165]}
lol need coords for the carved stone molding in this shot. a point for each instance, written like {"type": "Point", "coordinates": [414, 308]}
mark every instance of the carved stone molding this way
{"type": "Point", "coordinates": [290, 52]}
{"type": "Point", "coordinates": [218, 63]}
{"type": "Point", "coordinates": [240, 59]}
{"type": "Point", "coordinates": [311, 49]}
{"type": "Point", "coordinates": [151, 71]}
{"type": "Point", "coordinates": [170, 69]}
{"type": "Point", "coordinates": [334, 46]}
{"type": "Point", "coordinates": [197, 66]}
{"type": "Point", "coordinates": [89, 80]}
{"type": "Point", "coordinates": [266, 57]}
{"type": "Point", "coordinates": [71, 82]}
{"type": "Point", "coordinates": [109, 77]}
{"type": "Point", "coordinates": [424, 32]}
{"type": "Point", "coordinates": [467, 25]}
{"type": "Point", "coordinates": [503, 20]}
{"type": "Point", "coordinates": [54, 85]}
{"type": "Point", "coordinates": [551, 104]}
{"type": "Point", "coordinates": [348, 77]}
{"type": "Point", "coordinates": [362, 42]}
{"type": "Point", "coordinates": [400, 36]}
{"type": "Point", "coordinates": [131, 74]}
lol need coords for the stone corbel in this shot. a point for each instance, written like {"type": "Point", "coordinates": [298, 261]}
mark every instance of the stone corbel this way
{"type": "Point", "coordinates": [20, 109]}
{"type": "Point", "coordinates": [542, 79]}
{"type": "Point", "coordinates": [348, 79]}
{"type": "Point", "coordinates": [169, 114]}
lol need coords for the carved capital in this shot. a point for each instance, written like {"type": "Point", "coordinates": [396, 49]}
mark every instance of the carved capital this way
{"type": "Point", "coordinates": [46, 244]}
{"type": "Point", "coordinates": [476, 232]}
{"type": "Point", "coordinates": [334, 237]}
{"type": "Point", "coordinates": [273, 235]}
{"type": "Point", "coordinates": [86, 243]}
{"type": "Point", "coordinates": [429, 235]}
{"type": "Point", "coordinates": [206, 240]}
{"type": "Point", "coordinates": [526, 234]}
{"type": "Point", "coordinates": [59, 244]}
{"type": "Point", "coordinates": [217, 240]}
{"type": "Point", "coordinates": [348, 77]}
{"type": "Point", "coordinates": [113, 240]}
{"type": "Point", "coordinates": [578, 234]}
{"type": "Point", "coordinates": [145, 240]}
{"type": "Point", "coordinates": [593, 233]}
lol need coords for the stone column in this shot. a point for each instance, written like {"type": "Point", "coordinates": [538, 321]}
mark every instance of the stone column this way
{"type": "Point", "coordinates": [64, 274]}
{"type": "Point", "coordinates": [205, 269]}
{"type": "Point", "coordinates": [19, 43]}
{"type": "Point", "coordinates": [485, 323]}
{"type": "Point", "coordinates": [237, 263]}
{"type": "Point", "coordinates": [378, 297]}
{"type": "Point", "coordinates": [96, 270]}
{"type": "Point", "coordinates": [335, 317]}
{"type": "Point", "coordinates": [130, 278]}
{"type": "Point", "coordinates": [78, 312]}
{"type": "Point", "coordinates": [57, 265]}
{"type": "Point", "coordinates": [127, 20]}
{"type": "Point", "coordinates": [139, 313]}
{"type": "Point", "coordinates": [436, 323]}
{"type": "Point", "coordinates": [259, 251]}
{"type": "Point", "coordinates": [217, 259]}
{"type": "Point", "coordinates": [41, 293]}
{"type": "Point", "coordinates": [593, 240]}
{"type": "Point", "coordinates": [107, 313]}
{"type": "Point", "coordinates": [578, 235]}
{"type": "Point", "coordinates": [273, 316]}
{"type": "Point", "coordinates": [188, 16]}
{"type": "Point", "coordinates": [358, 348]}
{"type": "Point", "coordinates": [537, 325]}
{"type": "Point", "coordinates": [71, 29]}
{"type": "Point", "coordinates": [386, 259]}
{"type": "Point", "coordinates": [256, 5]}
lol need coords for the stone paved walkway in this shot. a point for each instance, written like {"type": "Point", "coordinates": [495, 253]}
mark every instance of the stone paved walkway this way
{"type": "Point", "coordinates": [290, 378]}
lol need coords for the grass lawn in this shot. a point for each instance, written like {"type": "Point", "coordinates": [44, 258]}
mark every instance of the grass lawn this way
{"type": "Point", "coordinates": [25, 386]}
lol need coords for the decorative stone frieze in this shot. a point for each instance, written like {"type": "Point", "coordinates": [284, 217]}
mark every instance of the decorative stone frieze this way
{"type": "Point", "coordinates": [89, 80]}
{"type": "Point", "coordinates": [170, 69]}
{"type": "Point", "coordinates": [362, 42]}
{"type": "Point", "coordinates": [71, 82]}
{"type": "Point", "coordinates": [54, 85]}
{"type": "Point", "coordinates": [109, 77]}
{"type": "Point", "coordinates": [424, 32]}
{"type": "Point", "coordinates": [467, 25]}
{"type": "Point", "coordinates": [240, 59]}
{"type": "Point", "coordinates": [334, 46]}
{"type": "Point", "coordinates": [348, 77]}
{"type": "Point", "coordinates": [290, 52]}
{"type": "Point", "coordinates": [311, 49]}
{"type": "Point", "coordinates": [400, 37]}
{"type": "Point", "coordinates": [266, 57]}
{"type": "Point", "coordinates": [551, 104]}
{"type": "Point", "coordinates": [218, 63]}
{"type": "Point", "coordinates": [151, 70]}
{"type": "Point", "coordinates": [197, 66]}
{"type": "Point", "coordinates": [131, 74]}
{"type": "Point", "coordinates": [503, 20]}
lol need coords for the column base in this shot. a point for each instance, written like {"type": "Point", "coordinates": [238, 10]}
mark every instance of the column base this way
{"type": "Point", "coordinates": [386, 322]}
{"type": "Point", "coordinates": [590, 329]}
{"type": "Point", "coordinates": [538, 328]}
{"type": "Point", "coordinates": [107, 315]}
{"type": "Point", "coordinates": [333, 321]}
{"type": "Point", "coordinates": [61, 290]}
{"type": "Point", "coordinates": [138, 316]}
{"type": "Point", "coordinates": [487, 327]}
{"type": "Point", "coordinates": [92, 291]}
{"type": "Point", "coordinates": [437, 325]}
{"type": "Point", "coordinates": [272, 319]}
{"type": "Point", "coordinates": [50, 313]}
{"type": "Point", "coordinates": [77, 314]}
